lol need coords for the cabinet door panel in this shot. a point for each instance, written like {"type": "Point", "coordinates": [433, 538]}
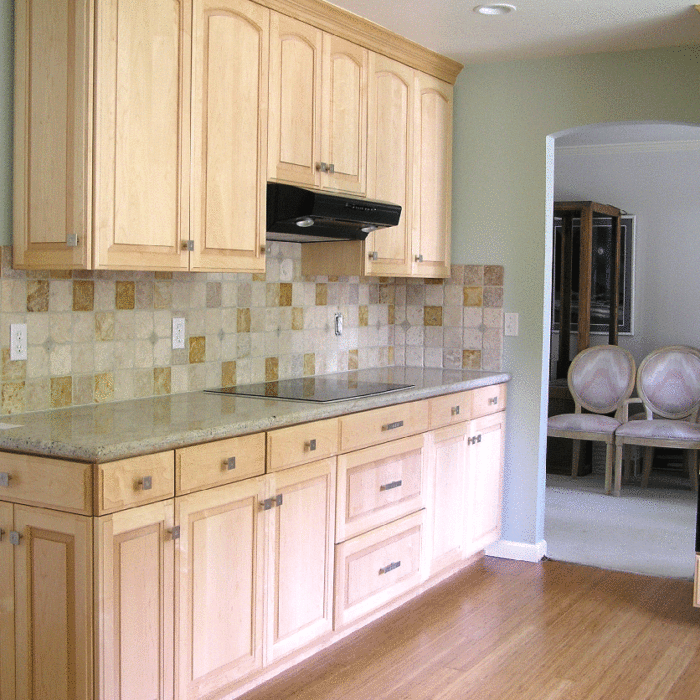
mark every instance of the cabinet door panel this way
{"type": "Point", "coordinates": [7, 606]}
{"type": "Point", "coordinates": [301, 584]}
{"type": "Point", "coordinates": [220, 575]}
{"type": "Point", "coordinates": [135, 574]}
{"type": "Point", "coordinates": [230, 134]}
{"type": "Point", "coordinates": [295, 101]}
{"type": "Point", "coordinates": [53, 614]}
{"type": "Point", "coordinates": [142, 139]}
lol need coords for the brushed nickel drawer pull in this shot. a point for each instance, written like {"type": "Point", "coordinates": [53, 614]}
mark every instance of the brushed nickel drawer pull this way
{"type": "Point", "coordinates": [267, 504]}
{"type": "Point", "coordinates": [455, 410]}
{"type": "Point", "coordinates": [389, 567]}
{"type": "Point", "coordinates": [146, 483]}
{"type": "Point", "coordinates": [393, 426]}
{"type": "Point", "coordinates": [230, 463]}
{"type": "Point", "coordinates": [175, 533]}
{"type": "Point", "coordinates": [278, 499]}
{"type": "Point", "coordinates": [311, 445]}
{"type": "Point", "coordinates": [5, 479]}
{"type": "Point", "coordinates": [474, 440]}
{"type": "Point", "coordinates": [493, 401]}
{"type": "Point", "coordinates": [15, 537]}
{"type": "Point", "coordinates": [391, 485]}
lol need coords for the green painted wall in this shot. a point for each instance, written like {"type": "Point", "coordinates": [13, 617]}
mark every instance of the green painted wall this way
{"type": "Point", "coordinates": [504, 113]}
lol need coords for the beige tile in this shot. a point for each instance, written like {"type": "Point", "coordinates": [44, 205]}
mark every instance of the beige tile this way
{"type": "Point", "coordinates": [162, 275]}
{"type": "Point", "coordinates": [493, 275]}
{"type": "Point", "coordinates": [243, 321]}
{"type": "Point", "coordinates": [473, 275]}
{"type": "Point", "coordinates": [143, 294]}
{"type": "Point", "coordinates": [161, 381]}
{"type": "Point", "coordinates": [213, 295]}
{"type": "Point", "coordinates": [456, 275]}
{"type": "Point", "coordinates": [162, 293]}
{"type": "Point", "coordinates": [104, 387]}
{"type": "Point", "coordinates": [83, 295]}
{"type": "Point", "coordinates": [272, 294]}
{"type": "Point", "coordinates": [125, 298]}
{"type": "Point", "coordinates": [61, 392]}
{"type": "Point", "coordinates": [83, 389]}
{"type": "Point", "coordinates": [297, 318]}
{"type": "Point", "coordinates": [13, 395]}
{"type": "Point", "coordinates": [493, 297]}
{"type": "Point", "coordinates": [228, 373]}
{"type": "Point", "coordinates": [272, 369]}
{"type": "Point", "coordinates": [197, 349]}
{"type": "Point", "coordinates": [309, 364]}
{"type": "Point", "coordinates": [37, 295]}
{"type": "Point", "coordinates": [353, 359]}
{"type": "Point", "coordinates": [363, 316]}
{"type": "Point", "coordinates": [432, 315]}
{"type": "Point", "coordinates": [104, 326]}
{"type": "Point", "coordinates": [37, 395]}
{"type": "Point", "coordinates": [473, 296]}
{"type": "Point", "coordinates": [321, 294]}
{"type": "Point", "coordinates": [13, 370]}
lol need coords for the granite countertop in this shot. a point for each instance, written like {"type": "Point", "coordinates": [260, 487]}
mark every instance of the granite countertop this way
{"type": "Point", "coordinates": [106, 432]}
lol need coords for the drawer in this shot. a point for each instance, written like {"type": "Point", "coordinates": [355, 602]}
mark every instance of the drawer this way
{"type": "Point", "coordinates": [488, 399]}
{"type": "Point", "coordinates": [135, 481]}
{"type": "Point", "coordinates": [379, 484]}
{"type": "Point", "coordinates": [453, 408]}
{"type": "Point", "coordinates": [373, 569]}
{"type": "Point", "coordinates": [220, 462]}
{"type": "Point", "coordinates": [382, 424]}
{"type": "Point", "coordinates": [41, 481]}
{"type": "Point", "coordinates": [298, 444]}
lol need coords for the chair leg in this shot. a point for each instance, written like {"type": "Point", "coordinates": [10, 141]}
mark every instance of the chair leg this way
{"type": "Point", "coordinates": [618, 470]}
{"type": "Point", "coordinates": [576, 458]}
{"type": "Point", "coordinates": [609, 458]}
{"type": "Point", "coordinates": [691, 458]}
{"type": "Point", "coordinates": [646, 468]}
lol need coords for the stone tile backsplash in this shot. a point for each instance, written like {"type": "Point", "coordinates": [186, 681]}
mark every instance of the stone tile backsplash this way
{"type": "Point", "coordinates": [107, 335]}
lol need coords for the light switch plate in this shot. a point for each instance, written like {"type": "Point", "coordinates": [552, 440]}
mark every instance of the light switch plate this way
{"type": "Point", "coordinates": [178, 333]}
{"type": "Point", "coordinates": [510, 326]}
{"type": "Point", "coordinates": [18, 341]}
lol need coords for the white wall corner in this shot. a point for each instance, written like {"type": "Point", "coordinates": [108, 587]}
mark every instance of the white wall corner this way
{"type": "Point", "coordinates": [504, 549]}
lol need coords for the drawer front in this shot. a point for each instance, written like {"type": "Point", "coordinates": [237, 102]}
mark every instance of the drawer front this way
{"type": "Point", "coordinates": [488, 399]}
{"type": "Point", "coordinates": [379, 484]}
{"type": "Point", "coordinates": [303, 443]}
{"type": "Point", "coordinates": [382, 424]}
{"type": "Point", "coordinates": [220, 462]}
{"type": "Point", "coordinates": [40, 481]}
{"type": "Point", "coordinates": [135, 481]}
{"type": "Point", "coordinates": [375, 568]}
{"type": "Point", "coordinates": [453, 408]}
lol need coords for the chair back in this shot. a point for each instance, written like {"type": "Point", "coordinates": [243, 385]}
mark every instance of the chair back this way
{"type": "Point", "coordinates": [601, 378]}
{"type": "Point", "coordinates": [668, 382]}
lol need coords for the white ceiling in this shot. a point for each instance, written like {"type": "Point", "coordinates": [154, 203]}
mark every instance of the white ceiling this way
{"type": "Point", "coordinates": [537, 29]}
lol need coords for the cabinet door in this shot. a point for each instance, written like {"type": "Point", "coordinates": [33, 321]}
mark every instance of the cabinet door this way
{"type": "Point", "coordinates": [294, 137]}
{"type": "Point", "coordinates": [432, 177]}
{"type": "Point", "coordinates": [220, 586]}
{"type": "Point", "coordinates": [229, 122]}
{"type": "Point", "coordinates": [485, 446]}
{"type": "Point", "coordinates": [344, 114]}
{"type": "Point", "coordinates": [142, 133]}
{"type": "Point", "coordinates": [390, 162]}
{"type": "Point", "coordinates": [53, 605]}
{"type": "Point", "coordinates": [300, 583]}
{"type": "Point", "coordinates": [7, 606]}
{"type": "Point", "coordinates": [447, 489]}
{"type": "Point", "coordinates": [52, 134]}
{"type": "Point", "coordinates": [135, 603]}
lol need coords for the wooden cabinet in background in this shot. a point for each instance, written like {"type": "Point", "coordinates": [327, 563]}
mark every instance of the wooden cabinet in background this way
{"type": "Point", "coordinates": [7, 604]}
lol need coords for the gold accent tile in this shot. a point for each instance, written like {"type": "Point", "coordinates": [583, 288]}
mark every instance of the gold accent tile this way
{"type": "Point", "coordinates": [258, 277]}
{"type": "Point", "coordinates": [387, 293]}
{"type": "Point", "coordinates": [198, 348]}
{"type": "Point", "coordinates": [61, 274]}
{"type": "Point", "coordinates": [243, 321]}
{"type": "Point", "coordinates": [432, 315]}
{"type": "Point", "coordinates": [391, 314]}
{"type": "Point", "coordinates": [104, 325]}
{"type": "Point", "coordinates": [38, 295]}
{"type": "Point", "coordinates": [13, 397]}
{"type": "Point", "coordinates": [309, 364]}
{"type": "Point", "coordinates": [83, 295]}
{"type": "Point", "coordinates": [13, 370]}
{"type": "Point", "coordinates": [272, 369]}
{"type": "Point", "coordinates": [161, 381]}
{"type": "Point", "coordinates": [159, 275]}
{"type": "Point", "coordinates": [471, 359]}
{"type": "Point", "coordinates": [473, 296]}
{"type": "Point", "coordinates": [228, 373]}
{"type": "Point", "coordinates": [297, 318]}
{"type": "Point", "coordinates": [285, 294]}
{"type": "Point", "coordinates": [353, 359]}
{"type": "Point", "coordinates": [104, 387]}
{"type": "Point", "coordinates": [363, 316]}
{"type": "Point", "coordinates": [434, 280]}
{"type": "Point", "coordinates": [493, 275]}
{"type": "Point", "coordinates": [321, 294]}
{"type": "Point", "coordinates": [390, 359]}
{"type": "Point", "coordinates": [125, 297]}
{"type": "Point", "coordinates": [61, 392]}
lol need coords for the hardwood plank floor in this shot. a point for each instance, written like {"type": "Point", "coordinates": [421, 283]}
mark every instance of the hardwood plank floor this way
{"type": "Point", "coordinates": [506, 630]}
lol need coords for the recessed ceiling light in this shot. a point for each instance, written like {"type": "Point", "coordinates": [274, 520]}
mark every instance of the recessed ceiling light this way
{"type": "Point", "coordinates": [496, 9]}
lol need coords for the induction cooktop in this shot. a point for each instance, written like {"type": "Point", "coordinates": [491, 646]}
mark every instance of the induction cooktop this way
{"type": "Point", "coordinates": [316, 389]}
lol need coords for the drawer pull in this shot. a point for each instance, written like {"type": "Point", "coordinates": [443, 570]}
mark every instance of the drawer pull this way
{"type": "Point", "coordinates": [270, 503]}
{"type": "Point", "coordinates": [2, 532]}
{"type": "Point", "coordinates": [230, 463]}
{"type": "Point", "coordinates": [4, 479]}
{"type": "Point", "coordinates": [455, 410]}
{"type": "Point", "coordinates": [15, 537]}
{"type": "Point", "coordinates": [391, 485]}
{"type": "Point", "coordinates": [493, 401]}
{"type": "Point", "coordinates": [146, 483]}
{"type": "Point", "coordinates": [389, 567]}
{"type": "Point", "coordinates": [474, 440]}
{"type": "Point", "coordinates": [311, 445]}
{"type": "Point", "coordinates": [393, 426]}
{"type": "Point", "coordinates": [175, 533]}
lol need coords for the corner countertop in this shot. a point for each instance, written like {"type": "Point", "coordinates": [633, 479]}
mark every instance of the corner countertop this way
{"type": "Point", "coordinates": [107, 432]}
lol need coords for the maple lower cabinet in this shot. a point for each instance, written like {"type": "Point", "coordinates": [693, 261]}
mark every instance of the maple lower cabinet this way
{"type": "Point", "coordinates": [318, 108]}
{"type": "Point", "coordinates": [45, 604]}
{"type": "Point", "coordinates": [135, 603]}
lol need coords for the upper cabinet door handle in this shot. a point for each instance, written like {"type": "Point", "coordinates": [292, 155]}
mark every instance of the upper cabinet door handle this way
{"type": "Point", "coordinates": [4, 479]}
{"type": "Point", "coordinates": [146, 483]}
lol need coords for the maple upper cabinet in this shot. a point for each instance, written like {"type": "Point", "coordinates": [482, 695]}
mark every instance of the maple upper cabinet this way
{"type": "Point", "coordinates": [432, 177]}
{"type": "Point", "coordinates": [318, 108]}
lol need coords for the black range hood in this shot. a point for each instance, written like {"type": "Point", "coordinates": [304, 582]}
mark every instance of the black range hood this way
{"type": "Point", "coordinates": [303, 216]}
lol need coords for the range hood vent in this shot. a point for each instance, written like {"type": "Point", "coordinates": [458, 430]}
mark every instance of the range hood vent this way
{"type": "Point", "coordinates": [303, 216]}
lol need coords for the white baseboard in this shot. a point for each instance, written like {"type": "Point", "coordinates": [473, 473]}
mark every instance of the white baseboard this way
{"type": "Point", "coordinates": [504, 549]}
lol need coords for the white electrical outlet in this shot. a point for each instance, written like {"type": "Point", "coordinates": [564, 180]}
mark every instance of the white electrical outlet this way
{"type": "Point", "coordinates": [339, 324]}
{"type": "Point", "coordinates": [18, 341]}
{"type": "Point", "coordinates": [178, 333]}
{"type": "Point", "coordinates": [510, 326]}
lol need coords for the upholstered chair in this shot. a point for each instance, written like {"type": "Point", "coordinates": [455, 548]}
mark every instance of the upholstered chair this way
{"type": "Point", "coordinates": [668, 385]}
{"type": "Point", "coordinates": [600, 378]}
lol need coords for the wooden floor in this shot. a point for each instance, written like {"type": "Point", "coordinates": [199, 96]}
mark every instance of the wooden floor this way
{"type": "Point", "coordinates": [506, 630]}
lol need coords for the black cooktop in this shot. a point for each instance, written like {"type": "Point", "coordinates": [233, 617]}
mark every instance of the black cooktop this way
{"type": "Point", "coordinates": [317, 389]}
